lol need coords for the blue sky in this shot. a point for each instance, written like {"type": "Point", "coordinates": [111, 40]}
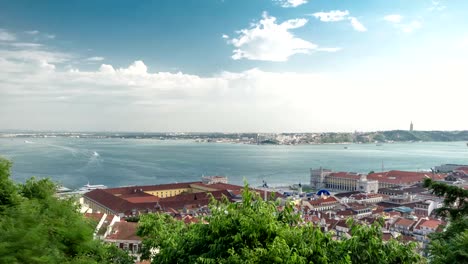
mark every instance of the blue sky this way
{"type": "Point", "coordinates": [266, 65]}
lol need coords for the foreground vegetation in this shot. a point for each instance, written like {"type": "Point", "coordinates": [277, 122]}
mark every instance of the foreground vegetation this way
{"type": "Point", "coordinates": [256, 231]}
{"type": "Point", "coordinates": [36, 227]}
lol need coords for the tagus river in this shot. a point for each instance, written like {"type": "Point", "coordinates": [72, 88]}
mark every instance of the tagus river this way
{"type": "Point", "coordinates": [121, 162]}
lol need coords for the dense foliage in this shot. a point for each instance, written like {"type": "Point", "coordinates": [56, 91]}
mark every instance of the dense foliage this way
{"type": "Point", "coordinates": [256, 231]}
{"type": "Point", "coordinates": [36, 227]}
{"type": "Point", "coordinates": [451, 245]}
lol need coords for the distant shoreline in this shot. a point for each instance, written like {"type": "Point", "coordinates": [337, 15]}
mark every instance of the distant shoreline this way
{"type": "Point", "coordinates": [379, 137]}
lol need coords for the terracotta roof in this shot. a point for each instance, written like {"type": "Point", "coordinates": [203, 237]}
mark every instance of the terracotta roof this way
{"type": "Point", "coordinates": [403, 177]}
{"type": "Point", "coordinates": [124, 231]}
{"type": "Point", "coordinates": [145, 188]}
{"type": "Point", "coordinates": [433, 224]}
{"type": "Point", "coordinates": [346, 194]}
{"type": "Point", "coordinates": [324, 201]}
{"type": "Point", "coordinates": [94, 216]}
{"type": "Point", "coordinates": [404, 222]}
{"type": "Point", "coordinates": [143, 199]}
{"type": "Point", "coordinates": [345, 175]}
{"type": "Point", "coordinates": [363, 196]}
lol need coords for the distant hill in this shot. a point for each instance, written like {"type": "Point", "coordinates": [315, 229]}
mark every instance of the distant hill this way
{"type": "Point", "coordinates": [405, 135]}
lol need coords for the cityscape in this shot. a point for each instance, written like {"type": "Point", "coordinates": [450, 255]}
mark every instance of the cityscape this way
{"type": "Point", "coordinates": [233, 132]}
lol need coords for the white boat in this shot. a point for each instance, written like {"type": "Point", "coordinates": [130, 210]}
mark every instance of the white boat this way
{"type": "Point", "coordinates": [63, 189]}
{"type": "Point", "coordinates": [88, 187]}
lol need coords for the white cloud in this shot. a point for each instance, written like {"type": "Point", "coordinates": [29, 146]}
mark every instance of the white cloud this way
{"type": "Point", "coordinates": [410, 27]}
{"type": "Point", "coordinates": [291, 3]}
{"type": "Point", "coordinates": [95, 59]}
{"type": "Point", "coordinates": [329, 49]}
{"type": "Point", "coordinates": [437, 6]}
{"type": "Point", "coordinates": [33, 54]}
{"type": "Point", "coordinates": [398, 22]}
{"type": "Point", "coordinates": [25, 45]}
{"type": "Point", "coordinates": [338, 15]}
{"type": "Point", "coordinates": [393, 18]}
{"type": "Point", "coordinates": [358, 26]}
{"type": "Point", "coordinates": [6, 36]}
{"type": "Point", "coordinates": [268, 41]}
{"type": "Point", "coordinates": [50, 36]}
{"type": "Point", "coordinates": [32, 32]}
{"type": "Point", "coordinates": [112, 98]}
{"type": "Point", "coordinates": [224, 36]}
{"type": "Point", "coordinates": [332, 16]}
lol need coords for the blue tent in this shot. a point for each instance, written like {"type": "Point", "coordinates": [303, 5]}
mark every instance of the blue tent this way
{"type": "Point", "coordinates": [323, 191]}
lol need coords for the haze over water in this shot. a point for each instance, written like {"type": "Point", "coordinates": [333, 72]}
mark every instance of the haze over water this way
{"type": "Point", "coordinates": [119, 162]}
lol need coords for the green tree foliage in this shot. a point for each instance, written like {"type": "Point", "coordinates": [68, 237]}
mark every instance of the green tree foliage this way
{"type": "Point", "coordinates": [451, 245]}
{"type": "Point", "coordinates": [8, 192]}
{"type": "Point", "coordinates": [37, 227]}
{"type": "Point", "coordinates": [256, 231]}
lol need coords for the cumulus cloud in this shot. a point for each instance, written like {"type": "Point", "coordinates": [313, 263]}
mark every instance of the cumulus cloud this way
{"type": "Point", "coordinates": [411, 26]}
{"type": "Point", "coordinates": [6, 36]}
{"type": "Point", "coordinates": [25, 45]}
{"type": "Point", "coordinates": [399, 22]}
{"type": "Point", "coordinates": [332, 16]}
{"type": "Point", "coordinates": [32, 32]}
{"type": "Point", "coordinates": [95, 59]}
{"type": "Point", "coordinates": [437, 6]}
{"type": "Point", "coordinates": [393, 18]}
{"type": "Point", "coordinates": [36, 92]}
{"type": "Point", "coordinates": [291, 3]}
{"type": "Point", "coordinates": [338, 15]}
{"type": "Point", "coordinates": [268, 40]}
{"type": "Point", "coordinates": [358, 26]}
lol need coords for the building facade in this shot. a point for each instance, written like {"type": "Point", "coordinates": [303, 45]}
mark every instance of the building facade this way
{"type": "Point", "coordinates": [341, 181]}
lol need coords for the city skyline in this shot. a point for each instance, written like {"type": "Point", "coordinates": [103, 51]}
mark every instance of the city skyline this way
{"type": "Point", "coordinates": [233, 66]}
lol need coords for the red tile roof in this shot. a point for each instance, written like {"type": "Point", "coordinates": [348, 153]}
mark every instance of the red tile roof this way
{"type": "Point", "coordinates": [433, 224]}
{"type": "Point", "coordinates": [94, 216]}
{"type": "Point", "coordinates": [404, 222]}
{"type": "Point", "coordinates": [345, 175]}
{"type": "Point", "coordinates": [143, 199]}
{"type": "Point", "coordinates": [145, 188]}
{"type": "Point", "coordinates": [326, 200]}
{"type": "Point", "coordinates": [124, 231]}
{"type": "Point", "coordinates": [403, 177]}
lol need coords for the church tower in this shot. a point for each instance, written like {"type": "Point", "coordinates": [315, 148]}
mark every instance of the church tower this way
{"type": "Point", "coordinates": [411, 126]}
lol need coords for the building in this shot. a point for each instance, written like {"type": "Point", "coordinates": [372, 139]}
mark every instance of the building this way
{"type": "Point", "coordinates": [321, 204]}
{"type": "Point", "coordinates": [424, 208]}
{"type": "Point", "coordinates": [187, 198]}
{"type": "Point", "coordinates": [341, 181]}
{"type": "Point", "coordinates": [317, 177]}
{"type": "Point", "coordinates": [411, 126]}
{"type": "Point", "coordinates": [123, 235]}
{"type": "Point", "coordinates": [396, 178]}
{"type": "Point", "coordinates": [448, 167]}
{"type": "Point", "coordinates": [214, 179]}
{"type": "Point", "coordinates": [365, 198]}
{"type": "Point", "coordinates": [424, 227]}
{"type": "Point", "coordinates": [403, 226]}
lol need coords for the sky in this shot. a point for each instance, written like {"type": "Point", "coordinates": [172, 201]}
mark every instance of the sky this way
{"type": "Point", "coordinates": [233, 65]}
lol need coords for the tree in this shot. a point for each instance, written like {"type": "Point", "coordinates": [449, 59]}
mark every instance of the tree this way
{"type": "Point", "coordinates": [451, 245]}
{"type": "Point", "coordinates": [37, 227]}
{"type": "Point", "coordinates": [256, 231]}
{"type": "Point", "coordinates": [8, 192]}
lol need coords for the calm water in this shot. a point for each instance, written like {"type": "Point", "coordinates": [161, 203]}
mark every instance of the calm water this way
{"type": "Point", "coordinates": [116, 162]}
